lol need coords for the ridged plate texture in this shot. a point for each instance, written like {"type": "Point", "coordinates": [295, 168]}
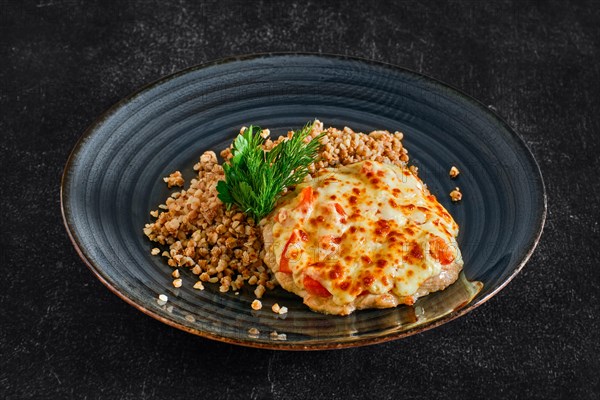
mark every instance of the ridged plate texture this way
{"type": "Point", "coordinates": [114, 178]}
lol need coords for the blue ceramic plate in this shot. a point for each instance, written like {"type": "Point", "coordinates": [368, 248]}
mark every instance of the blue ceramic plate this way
{"type": "Point", "coordinates": [114, 178]}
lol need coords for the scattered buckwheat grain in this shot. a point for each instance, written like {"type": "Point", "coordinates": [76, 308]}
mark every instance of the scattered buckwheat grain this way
{"type": "Point", "coordinates": [256, 305]}
{"type": "Point", "coordinates": [453, 172]}
{"type": "Point", "coordinates": [175, 179]}
{"type": "Point", "coordinates": [456, 194]}
{"type": "Point", "coordinates": [198, 285]}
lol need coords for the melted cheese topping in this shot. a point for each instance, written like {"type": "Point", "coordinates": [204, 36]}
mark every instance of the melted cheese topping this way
{"type": "Point", "coordinates": [362, 228]}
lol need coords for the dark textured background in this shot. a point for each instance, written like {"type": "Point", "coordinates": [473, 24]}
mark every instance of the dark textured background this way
{"type": "Point", "coordinates": [64, 335]}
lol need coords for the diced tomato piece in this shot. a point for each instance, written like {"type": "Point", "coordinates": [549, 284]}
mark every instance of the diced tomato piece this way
{"type": "Point", "coordinates": [339, 209]}
{"type": "Point", "coordinates": [284, 264]}
{"type": "Point", "coordinates": [306, 199]}
{"type": "Point", "coordinates": [441, 251]}
{"type": "Point", "coordinates": [296, 237]}
{"type": "Point", "coordinates": [313, 287]}
{"type": "Point", "coordinates": [302, 235]}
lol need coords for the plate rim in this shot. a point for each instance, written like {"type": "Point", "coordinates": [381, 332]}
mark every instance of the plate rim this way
{"type": "Point", "coordinates": [98, 121]}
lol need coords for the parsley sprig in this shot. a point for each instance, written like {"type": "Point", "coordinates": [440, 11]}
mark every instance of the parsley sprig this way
{"type": "Point", "coordinates": [255, 178]}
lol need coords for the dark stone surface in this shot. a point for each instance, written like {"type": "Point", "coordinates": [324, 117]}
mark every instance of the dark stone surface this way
{"type": "Point", "coordinates": [64, 335]}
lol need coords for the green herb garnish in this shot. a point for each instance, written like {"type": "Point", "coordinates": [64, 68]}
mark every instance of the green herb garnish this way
{"type": "Point", "coordinates": [255, 178]}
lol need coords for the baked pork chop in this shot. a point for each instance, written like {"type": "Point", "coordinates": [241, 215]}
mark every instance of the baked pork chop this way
{"type": "Point", "coordinates": [364, 235]}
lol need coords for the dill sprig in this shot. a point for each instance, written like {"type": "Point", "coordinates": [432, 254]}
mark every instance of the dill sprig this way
{"type": "Point", "coordinates": [255, 178]}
